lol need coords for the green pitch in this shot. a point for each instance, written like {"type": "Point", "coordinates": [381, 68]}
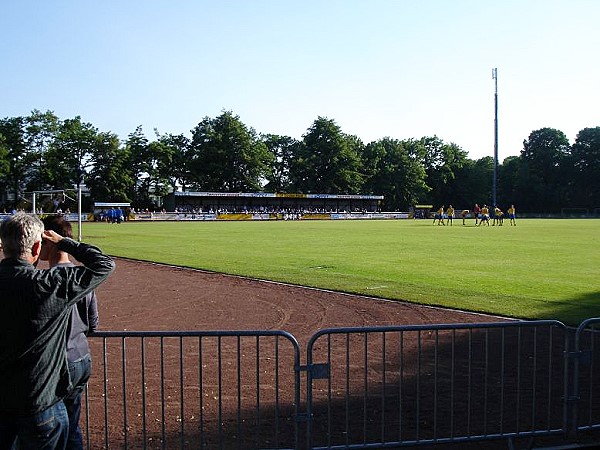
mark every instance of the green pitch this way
{"type": "Point", "coordinates": [538, 269]}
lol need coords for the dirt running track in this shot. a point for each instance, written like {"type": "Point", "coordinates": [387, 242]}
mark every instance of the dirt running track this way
{"type": "Point", "coordinates": [147, 296]}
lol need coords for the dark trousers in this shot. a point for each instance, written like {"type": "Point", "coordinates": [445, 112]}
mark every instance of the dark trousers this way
{"type": "Point", "coordinates": [80, 374]}
{"type": "Point", "coordinates": [46, 430]}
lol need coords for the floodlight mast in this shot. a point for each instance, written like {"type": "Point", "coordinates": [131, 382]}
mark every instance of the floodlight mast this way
{"type": "Point", "coordinates": [494, 187]}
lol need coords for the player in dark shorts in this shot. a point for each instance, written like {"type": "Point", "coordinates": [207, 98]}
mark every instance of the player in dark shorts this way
{"type": "Point", "coordinates": [476, 213]}
{"type": "Point", "coordinates": [512, 214]}
{"type": "Point", "coordinates": [484, 216]}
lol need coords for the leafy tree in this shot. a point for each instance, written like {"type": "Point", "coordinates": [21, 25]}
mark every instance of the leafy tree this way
{"type": "Point", "coordinates": [4, 161]}
{"type": "Point", "coordinates": [13, 132]}
{"type": "Point", "coordinates": [40, 132]}
{"type": "Point", "coordinates": [42, 152]}
{"type": "Point", "coordinates": [160, 160]}
{"type": "Point", "coordinates": [509, 182]}
{"type": "Point", "coordinates": [353, 175]}
{"type": "Point", "coordinates": [585, 160]}
{"type": "Point", "coordinates": [138, 168]}
{"type": "Point", "coordinates": [391, 171]}
{"type": "Point", "coordinates": [226, 155]}
{"type": "Point", "coordinates": [328, 161]}
{"type": "Point", "coordinates": [472, 183]}
{"type": "Point", "coordinates": [174, 164]}
{"type": "Point", "coordinates": [442, 163]}
{"type": "Point", "coordinates": [544, 155]}
{"type": "Point", "coordinates": [108, 178]}
{"type": "Point", "coordinates": [282, 149]}
{"type": "Point", "coordinates": [147, 168]}
{"type": "Point", "coordinates": [69, 155]}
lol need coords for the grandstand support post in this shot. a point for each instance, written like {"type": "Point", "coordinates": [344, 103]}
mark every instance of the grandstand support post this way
{"type": "Point", "coordinates": [33, 210]}
{"type": "Point", "coordinates": [494, 187]}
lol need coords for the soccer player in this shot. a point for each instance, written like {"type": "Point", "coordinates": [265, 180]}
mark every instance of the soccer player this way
{"type": "Point", "coordinates": [439, 216]}
{"type": "Point", "coordinates": [450, 212]}
{"type": "Point", "coordinates": [476, 213]}
{"type": "Point", "coordinates": [511, 215]}
{"type": "Point", "coordinates": [484, 216]}
{"type": "Point", "coordinates": [463, 214]}
{"type": "Point", "coordinates": [498, 217]}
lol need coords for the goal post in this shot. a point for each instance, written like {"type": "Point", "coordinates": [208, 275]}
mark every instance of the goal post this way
{"type": "Point", "coordinates": [66, 195]}
{"type": "Point", "coordinates": [34, 196]}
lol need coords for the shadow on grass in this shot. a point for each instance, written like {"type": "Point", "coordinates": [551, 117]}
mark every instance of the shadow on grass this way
{"type": "Point", "coordinates": [573, 311]}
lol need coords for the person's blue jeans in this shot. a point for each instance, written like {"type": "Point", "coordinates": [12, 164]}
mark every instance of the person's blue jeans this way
{"type": "Point", "coordinates": [80, 374]}
{"type": "Point", "coordinates": [46, 430]}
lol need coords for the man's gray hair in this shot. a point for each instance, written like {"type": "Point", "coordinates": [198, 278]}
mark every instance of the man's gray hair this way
{"type": "Point", "coordinates": [18, 234]}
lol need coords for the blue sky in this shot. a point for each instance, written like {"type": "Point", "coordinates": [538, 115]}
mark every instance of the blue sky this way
{"type": "Point", "coordinates": [403, 69]}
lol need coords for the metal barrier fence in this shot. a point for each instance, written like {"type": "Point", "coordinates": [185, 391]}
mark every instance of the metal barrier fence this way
{"type": "Point", "coordinates": [364, 387]}
{"type": "Point", "coordinates": [429, 384]}
{"type": "Point", "coordinates": [164, 390]}
{"type": "Point", "coordinates": [585, 397]}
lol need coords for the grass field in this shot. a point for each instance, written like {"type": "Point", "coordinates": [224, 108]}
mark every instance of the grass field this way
{"type": "Point", "coordinates": [538, 269]}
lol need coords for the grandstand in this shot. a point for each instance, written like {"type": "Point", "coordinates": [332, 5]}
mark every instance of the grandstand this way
{"type": "Point", "coordinates": [270, 202]}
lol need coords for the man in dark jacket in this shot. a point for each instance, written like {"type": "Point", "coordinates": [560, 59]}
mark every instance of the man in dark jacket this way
{"type": "Point", "coordinates": [35, 309]}
{"type": "Point", "coordinates": [84, 318]}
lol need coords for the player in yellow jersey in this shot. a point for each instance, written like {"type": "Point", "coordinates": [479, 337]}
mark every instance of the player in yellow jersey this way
{"type": "Point", "coordinates": [484, 216]}
{"type": "Point", "coordinates": [498, 217]}
{"type": "Point", "coordinates": [439, 216]}
{"type": "Point", "coordinates": [450, 213]}
{"type": "Point", "coordinates": [511, 215]}
{"type": "Point", "coordinates": [463, 214]}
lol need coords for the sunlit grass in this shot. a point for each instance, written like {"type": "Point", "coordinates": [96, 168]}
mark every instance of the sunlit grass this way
{"type": "Point", "coordinates": [538, 269]}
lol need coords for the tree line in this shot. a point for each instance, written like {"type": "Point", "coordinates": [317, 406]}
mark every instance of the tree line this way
{"type": "Point", "coordinates": [43, 152]}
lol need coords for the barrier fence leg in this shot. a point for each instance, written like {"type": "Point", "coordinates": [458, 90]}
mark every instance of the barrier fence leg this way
{"type": "Point", "coordinates": [511, 444]}
{"type": "Point", "coordinates": [572, 386]}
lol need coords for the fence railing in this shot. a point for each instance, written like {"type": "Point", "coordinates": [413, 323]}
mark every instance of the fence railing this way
{"type": "Point", "coordinates": [585, 395]}
{"type": "Point", "coordinates": [430, 384]}
{"type": "Point", "coordinates": [181, 390]}
{"type": "Point", "coordinates": [360, 387]}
